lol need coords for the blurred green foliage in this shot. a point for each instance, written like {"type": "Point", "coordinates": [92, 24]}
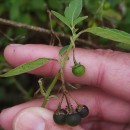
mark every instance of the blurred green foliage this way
{"type": "Point", "coordinates": [113, 14]}
{"type": "Point", "coordinates": [109, 13]}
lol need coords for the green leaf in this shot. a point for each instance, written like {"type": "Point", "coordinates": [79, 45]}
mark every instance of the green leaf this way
{"type": "Point", "coordinates": [111, 15]}
{"type": "Point", "coordinates": [112, 34]}
{"type": "Point", "coordinates": [73, 10]}
{"type": "Point", "coordinates": [62, 18]}
{"type": "Point", "coordinates": [63, 50]}
{"type": "Point", "coordinates": [79, 19]}
{"type": "Point", "coordinates": [26, 67]}
{"type": "Point", "coordinates": [123, 46]}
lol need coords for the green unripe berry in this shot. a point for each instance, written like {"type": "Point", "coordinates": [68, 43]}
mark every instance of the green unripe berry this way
{"type": "Point", "coordinates": [73, 119]}
{"type": "Point", "coordinates": [59, 116]}
{"type": "Point", "coordinates": [78, 70]}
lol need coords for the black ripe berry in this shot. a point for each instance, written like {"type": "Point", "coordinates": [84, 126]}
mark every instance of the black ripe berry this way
{"type": "Point", "coordinates": [73, 119]}
{"type": "Point", "coordinates": [82, 110]}
{"type": "Point", "coordinates": [59, 116]}
{"type": "Point", "coordinates": [78, 70]}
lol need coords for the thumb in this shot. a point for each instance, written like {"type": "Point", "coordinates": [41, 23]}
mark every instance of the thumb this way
{"type": "Point", "coordinates": [36, 118]}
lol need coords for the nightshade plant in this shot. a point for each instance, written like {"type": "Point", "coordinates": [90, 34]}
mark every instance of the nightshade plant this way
{"type": "Point", "coordinates": [70, 18]}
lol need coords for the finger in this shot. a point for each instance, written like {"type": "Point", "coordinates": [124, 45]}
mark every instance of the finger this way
{"type": "Point", "coordinates": [103, 125]}
{"type": "Point", "coordinates": [101, 106]}
{"type": "Point", "coordinates": [36, 118]}
{"type": "Point", "coordinates": [109, 70]}
{"type": "Point", "coordinates": [41, 119]}
{"type": "Point", "coordinates": [8, 115]}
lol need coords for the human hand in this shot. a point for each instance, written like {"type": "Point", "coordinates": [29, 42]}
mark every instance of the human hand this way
{"type": "Point", "coordinates": [107, 97]}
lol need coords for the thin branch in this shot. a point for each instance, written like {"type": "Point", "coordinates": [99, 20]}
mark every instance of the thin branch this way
{"type": "Point", "coordinates": [42, 30]}
{"type": "Point", "coordinates": [53, 34]}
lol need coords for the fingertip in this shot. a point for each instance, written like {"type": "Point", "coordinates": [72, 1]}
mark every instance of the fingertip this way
{"type": "Point", "coordinates": [17, 54]}
{"type": "Point", "coordinates": [9, 47]}
{"type": "Point", "coordinates": [8, 115]}
{"type": "Point", "coordinates": [29, 120]}
{"type": "Point", "coordinates": [9, 52]}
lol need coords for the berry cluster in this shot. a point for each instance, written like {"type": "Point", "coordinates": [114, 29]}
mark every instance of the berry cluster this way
{"type": "Point", "coordinates": [69, 115]}
{"type": "Point", "coordinates": [61, 116]}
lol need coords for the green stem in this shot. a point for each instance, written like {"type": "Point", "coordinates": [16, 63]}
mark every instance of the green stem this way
{"type": "Point", "coordinates": [50, 89]}
{"type": "Point", "coordinates": [42, 90]}
{"type": "Point", "coordinates": [57, 76]}
{"type": "Point", "coordinates": [67, 53]}
{"type": "Point", "coordinates": [74, 60]}
{"type": "Point", "coordinates": [60, 72]}
{"type": "Point", "coordinates": [62, 79]}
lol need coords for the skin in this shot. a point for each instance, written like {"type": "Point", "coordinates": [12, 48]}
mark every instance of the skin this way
{"type": "Point", "coordinates": [105, 89]}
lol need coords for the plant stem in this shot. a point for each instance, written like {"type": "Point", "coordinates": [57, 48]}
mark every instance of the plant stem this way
{"type": "Point", "coordinates": [72, 98]}
{"type": "Point", "coordinates": [56, 76]}
{"type": "Point", "coordinates": [70, 108]}
{"type": "Point", "coordinates": [67, 53]}
{"type": "Point", "coordinates": [59, 106]}
{"type": "Point", "coordinates": [50, 89]}
{"type": "Point", "coordinates": [42, 30]}
{"type": "Point", "coordinates": [62, 62]}
{"type": "Point", "coordinates": [62, 78]}
{"type": "Point", "coordinates": [41, 87]}
{"type": "Point", "coordinates": [60, 72]}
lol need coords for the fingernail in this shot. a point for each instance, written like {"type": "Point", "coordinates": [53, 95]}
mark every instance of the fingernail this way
{"type": "Point", "coordinates": [29, 121]}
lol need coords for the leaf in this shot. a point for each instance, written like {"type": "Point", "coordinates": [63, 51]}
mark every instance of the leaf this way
{"type": "Point", "coordinates": [123, 46]}
{"type": "Point", "coordinates": [63, 50]}
{"type": "Point", "coordinates": [73, 10]}
{"type": "Point", "coordinates": [111, 15]}
{"type": "Point", "coordinates": [79, 19]}
{"type": "Point", "coordinates": [26, 67]}
{"type": "Point", "coordinates": [62, 18]}
{"type": "Point", "coordinates": [112, 34]}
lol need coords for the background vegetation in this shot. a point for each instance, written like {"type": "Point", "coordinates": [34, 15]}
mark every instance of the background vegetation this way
{"type": "Point", "coordinates": [104, 13]}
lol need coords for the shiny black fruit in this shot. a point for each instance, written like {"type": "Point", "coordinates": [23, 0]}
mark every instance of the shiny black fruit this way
{"type": "Point", "coordinates": [82, 110]}
{"type": "Point", "coordinates": [59, 116]}
{"type": "Point", "coordinates": [73, 119]}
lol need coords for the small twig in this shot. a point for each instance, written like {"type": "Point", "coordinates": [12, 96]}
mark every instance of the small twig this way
{"type": "Point", "coordinates": [42, 30]}
{"type": "Point", "coordinates": [10, 39]}
{"type": "Point", "coordinates": [53, 34]}
{"type": "Point", "coordinates": [60, 103]}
